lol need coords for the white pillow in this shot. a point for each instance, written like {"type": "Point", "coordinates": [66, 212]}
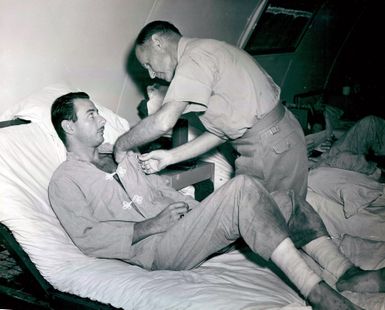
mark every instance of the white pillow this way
{"type": "Point", "coordinates": [37, 108]}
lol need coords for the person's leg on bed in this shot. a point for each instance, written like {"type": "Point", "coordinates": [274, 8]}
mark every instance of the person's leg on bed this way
{"type": "Point", "coordinates": [243, 207]}
{"type": "Point", "coordinates": [320, 295]}
{"type": "Point", "coordinates": [364, 281]}
{"type": "Point", "coordinates": [367, 134]}
{"type": "Point", "coordinates": [215, 224]}
{"type": "Point", "coordinates": [308, 232]}
{"type": "Point", "coordinates": [348, 277]}
{"type": "Point", "coordinates": [326, 253]}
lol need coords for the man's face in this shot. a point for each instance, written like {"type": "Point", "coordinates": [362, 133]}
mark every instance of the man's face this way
{"type": "Point", "coordinates": [156, 60]}
{"type": "Point", "coordinates": [89, 127]}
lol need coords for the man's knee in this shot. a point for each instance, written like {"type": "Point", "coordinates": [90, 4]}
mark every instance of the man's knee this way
{"type": "Point", "coordinates": [284, 201]}
{"type": "Point", "coordinates": [305, 224]}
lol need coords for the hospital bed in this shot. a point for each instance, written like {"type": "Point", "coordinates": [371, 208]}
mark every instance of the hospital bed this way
{"type": "Point", "coordinates": [69, 279]}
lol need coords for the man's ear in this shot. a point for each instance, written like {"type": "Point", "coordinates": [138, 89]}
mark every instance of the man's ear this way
{"type": "Point", "coordinates": [67, 126]}
{"type": "Point", "coordinates": [157, 40]}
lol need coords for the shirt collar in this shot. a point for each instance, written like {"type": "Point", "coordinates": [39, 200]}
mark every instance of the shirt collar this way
{"type": "Point", "coordinates": [182, 46]}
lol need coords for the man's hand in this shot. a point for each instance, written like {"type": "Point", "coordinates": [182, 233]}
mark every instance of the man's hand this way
{"type": "Point", "coordinates": [325, 146]}
{"type": "Point", "coordinates": [155, 161]}
{"type": "Point", "coordinates": [170, 215]}
{"type": "Point", "coordinates": [310, 145]}
{"type": "Point", "coordinates": [160, 223]}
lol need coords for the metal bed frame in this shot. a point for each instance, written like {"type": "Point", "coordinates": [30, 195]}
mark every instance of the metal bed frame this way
{"type": "Point", "coordinates": [40, 293]}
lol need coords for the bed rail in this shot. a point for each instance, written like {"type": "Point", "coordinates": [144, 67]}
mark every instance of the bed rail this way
{"type": "Point", "coordinates": [44, 295]}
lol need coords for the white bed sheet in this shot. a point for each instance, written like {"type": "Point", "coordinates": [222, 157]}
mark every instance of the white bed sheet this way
{"type": "Point", "coordinates": [229, 281]}
{"type": "Point", "coordinates": [361, 237]}
{"type": "Point", "coordinates": [354, 191]}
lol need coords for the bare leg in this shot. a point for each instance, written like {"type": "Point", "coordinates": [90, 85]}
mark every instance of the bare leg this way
{"type": "Point", "coordinates": [362, 281]}
{"type": "Point", "coordinates": [323, 297]}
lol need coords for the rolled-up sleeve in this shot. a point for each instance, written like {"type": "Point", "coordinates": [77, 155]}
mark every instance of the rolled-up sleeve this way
{"type": "Point", "coordinates": [104, 239]}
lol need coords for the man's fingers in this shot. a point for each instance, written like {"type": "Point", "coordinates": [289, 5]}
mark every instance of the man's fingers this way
{"type": "Point", "coordinates": [180, 207]}
{"type": "Point", "coordinates": [145, 157]}
{"type": "Point", "coordinates": [148, 166]}
{"type": "Point", "coordinates": [178, 204]}
{"type": "Point", "coordinates": [178, 210]}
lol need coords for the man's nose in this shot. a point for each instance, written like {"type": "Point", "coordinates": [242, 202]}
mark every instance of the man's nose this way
{"type": "Point", "coordinates": [102, 120]}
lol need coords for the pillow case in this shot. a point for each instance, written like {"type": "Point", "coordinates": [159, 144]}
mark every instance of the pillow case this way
{"type": "Point", "coordinates": [37, 108]}
{"type": "Point", "coordinates": [353, 190]}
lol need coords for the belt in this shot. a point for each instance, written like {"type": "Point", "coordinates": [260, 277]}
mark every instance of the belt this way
{"type": "Point", "coordinates": [269, 120]}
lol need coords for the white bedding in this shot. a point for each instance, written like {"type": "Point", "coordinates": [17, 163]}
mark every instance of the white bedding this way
{"type": "Point", "coordinates": [360, 236]}
{"type": "Point", "coordinates": [354, 191]}
{"type": "Point", "coordinates": [29, 155]}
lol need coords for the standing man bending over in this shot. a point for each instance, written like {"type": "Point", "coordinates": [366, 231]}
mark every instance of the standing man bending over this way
{"type": "Point", "coordinates": [116, 211]}
{"type": "Point", "coordinates": [236, 100]}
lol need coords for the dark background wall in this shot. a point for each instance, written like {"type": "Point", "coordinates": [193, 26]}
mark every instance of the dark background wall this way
{"type": "Point", "coordinates": [341, 48]}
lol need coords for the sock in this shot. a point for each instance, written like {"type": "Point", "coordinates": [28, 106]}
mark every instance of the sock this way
{"type": "Point", "coordinates": [287, 257]}
{"type": "Point", "coordinates": [326, 253]}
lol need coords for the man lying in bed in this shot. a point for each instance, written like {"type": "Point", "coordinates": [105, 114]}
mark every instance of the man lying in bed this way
{"type": "Point", "coordinates": [365, 139]}
{"type": "Point", "coordinates": [112, 211]}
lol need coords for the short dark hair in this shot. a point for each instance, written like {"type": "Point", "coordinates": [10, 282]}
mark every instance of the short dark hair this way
{"type": "Point", "coordinates": [158, 26]}
{"type": "Point", "coordinates": [63, 109]}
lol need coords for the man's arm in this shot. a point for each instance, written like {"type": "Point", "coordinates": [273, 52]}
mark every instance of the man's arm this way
{"type": "Point", "coordinates": [109, 238]}
{"type": "Point", "coordinates": [150, 128]}
{"type": "Point", "coordinates": [160, 159]}
{"type": "Point", "coordinates": [160, 223]}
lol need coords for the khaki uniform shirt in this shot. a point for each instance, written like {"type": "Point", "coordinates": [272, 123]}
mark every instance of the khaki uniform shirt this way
{"type": "Point", "coordinates": [225, 83]}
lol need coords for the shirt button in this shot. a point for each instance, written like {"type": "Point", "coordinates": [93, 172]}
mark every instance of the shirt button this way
{"type": "Point", "coordinates": [126, 205]}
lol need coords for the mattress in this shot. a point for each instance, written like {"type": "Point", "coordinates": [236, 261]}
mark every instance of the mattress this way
{"type": "Point", "coordinates": [228, 281]}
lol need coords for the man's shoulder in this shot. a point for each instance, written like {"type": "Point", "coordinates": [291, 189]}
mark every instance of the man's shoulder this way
{"type": "Point", "coordinates": [198, 43]}
{"type": "Point", "coordinates": [68, 168]}
{"type": "Point", "coordinates": [206, 49]}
